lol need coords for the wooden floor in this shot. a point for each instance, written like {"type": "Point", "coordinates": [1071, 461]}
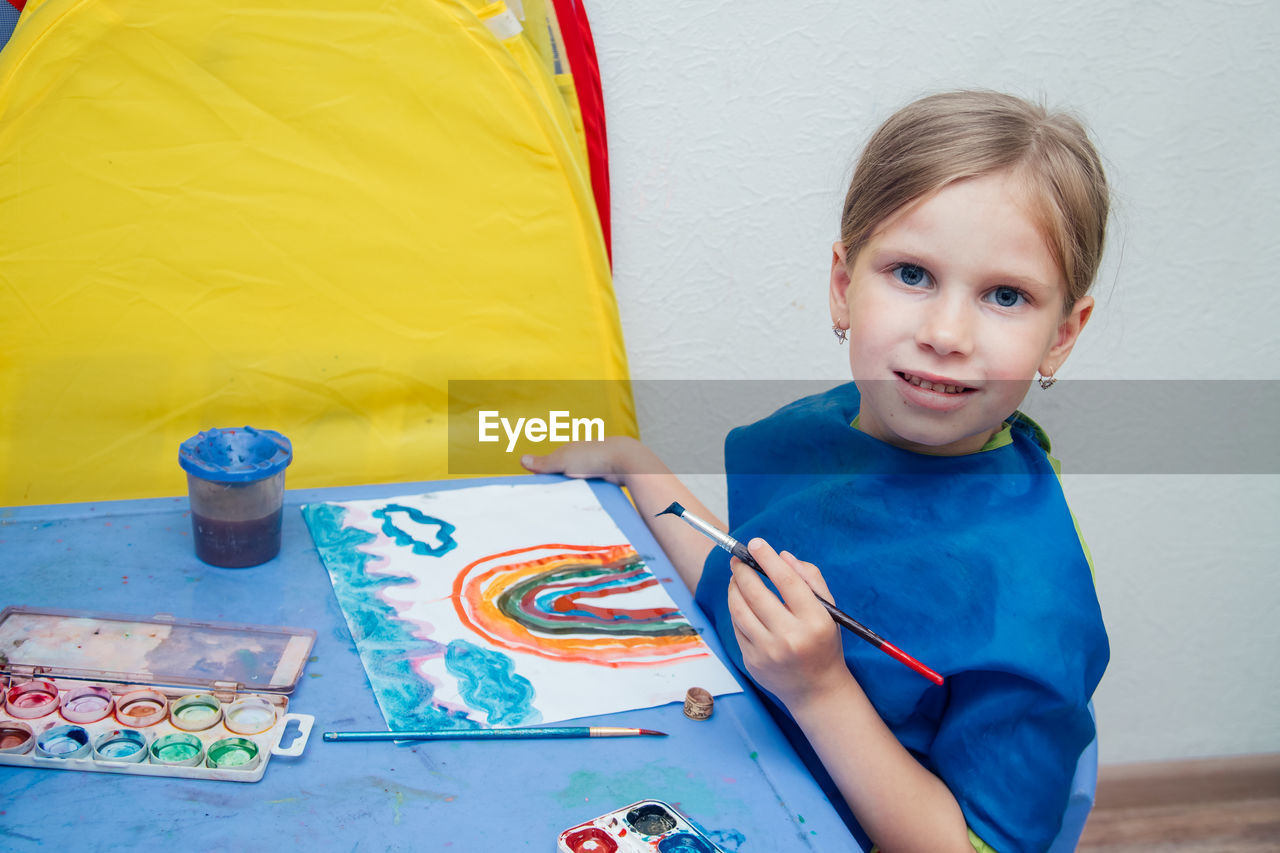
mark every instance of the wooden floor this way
{"type": "Point", "coordinates": [1221, 805]}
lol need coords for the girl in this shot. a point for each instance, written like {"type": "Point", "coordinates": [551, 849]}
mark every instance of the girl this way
{"type": "Point", "coordinates": [971, 232]}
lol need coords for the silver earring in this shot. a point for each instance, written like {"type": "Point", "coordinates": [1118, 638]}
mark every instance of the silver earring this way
{"type": "Point", "coordinates": [1047, 380]}
{"type": "Point", "coordinates": [841, 334]}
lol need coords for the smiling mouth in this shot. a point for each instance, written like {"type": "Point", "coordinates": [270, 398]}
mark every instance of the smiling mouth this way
{"type": "Point", "coordinates": [936, 387]}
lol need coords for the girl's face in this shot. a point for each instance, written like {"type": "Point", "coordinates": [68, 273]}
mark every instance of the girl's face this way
{"type": "Point", "coordinates": [952, 306]}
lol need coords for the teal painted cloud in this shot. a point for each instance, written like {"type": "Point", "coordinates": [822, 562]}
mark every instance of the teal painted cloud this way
{"type": "Point", "coordinates": [443, 534]}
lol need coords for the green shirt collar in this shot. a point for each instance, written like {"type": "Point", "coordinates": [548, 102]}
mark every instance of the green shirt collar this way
{"type": "Point", "coordinates": [1002, 436]}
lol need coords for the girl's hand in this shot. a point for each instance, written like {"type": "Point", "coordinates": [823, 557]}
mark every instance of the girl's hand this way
{"type": "Point", "coordinates": [613, 459]}
{"type": "Point", "coordinates": [626, 462]}
{"type": "Point", "coordinates": [790, 645]}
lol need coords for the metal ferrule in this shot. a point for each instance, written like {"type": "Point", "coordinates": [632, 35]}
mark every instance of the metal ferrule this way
{"type": "Point", "coordinates": [724, 540]}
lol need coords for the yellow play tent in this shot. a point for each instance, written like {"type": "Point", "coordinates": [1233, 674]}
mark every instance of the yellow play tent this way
{"type": "Point", "coordinates": [303, 217]}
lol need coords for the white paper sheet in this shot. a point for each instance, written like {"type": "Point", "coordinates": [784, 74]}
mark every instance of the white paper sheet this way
{"type": "Point", "coordinates": [506, 605]}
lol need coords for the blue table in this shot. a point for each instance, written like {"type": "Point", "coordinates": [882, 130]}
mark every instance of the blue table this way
{"type": "Point", "coordinates": [734, 775]}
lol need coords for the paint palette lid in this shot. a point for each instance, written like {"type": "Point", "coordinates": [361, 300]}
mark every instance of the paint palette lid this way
{"type": "Point", "coordinates": [158, 650]}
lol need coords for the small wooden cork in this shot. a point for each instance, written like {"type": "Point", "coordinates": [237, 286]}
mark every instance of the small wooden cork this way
{"type": "Point", "coordinates": [698, 704]}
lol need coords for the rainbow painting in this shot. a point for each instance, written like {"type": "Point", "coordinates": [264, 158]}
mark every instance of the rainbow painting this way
{"type": "Point", "coordinates": [506, 605]}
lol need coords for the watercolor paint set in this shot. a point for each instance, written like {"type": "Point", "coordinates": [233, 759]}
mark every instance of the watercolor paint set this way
{"type": "Point", "coordinates": [149, 696]}
{"type": "Point", "coordinates": [649, 826]}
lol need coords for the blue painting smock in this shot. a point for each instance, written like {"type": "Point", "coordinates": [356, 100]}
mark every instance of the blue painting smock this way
{"type": "Point", "coordinates": [970, 564]}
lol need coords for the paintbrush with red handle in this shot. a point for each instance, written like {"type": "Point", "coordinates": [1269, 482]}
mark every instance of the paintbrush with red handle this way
{"type": "Point", "coordinates": [737, 549]}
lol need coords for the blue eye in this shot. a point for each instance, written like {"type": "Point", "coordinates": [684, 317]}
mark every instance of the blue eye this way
{"type": "Point", "coordinates": [911, 275]}
{"type": "Point", "coordinates": [1007, 297]}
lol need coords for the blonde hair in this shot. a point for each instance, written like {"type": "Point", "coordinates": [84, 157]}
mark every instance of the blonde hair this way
{"type": "Point", "coordinates": [948, 137]}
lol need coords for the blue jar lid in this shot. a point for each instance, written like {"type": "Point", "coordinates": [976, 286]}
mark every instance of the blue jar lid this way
{"type": "Point", "coordinates": [236, 455]}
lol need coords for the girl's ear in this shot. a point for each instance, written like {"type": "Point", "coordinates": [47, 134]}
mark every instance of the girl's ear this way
{"type": "Point", "coordinates": [1068, 333]}
{"type": "Point", "coordinates": [839, 294]}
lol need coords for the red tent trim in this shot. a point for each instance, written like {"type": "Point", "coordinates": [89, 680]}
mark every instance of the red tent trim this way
{"type": "Point", "coordinates": [580, 50]}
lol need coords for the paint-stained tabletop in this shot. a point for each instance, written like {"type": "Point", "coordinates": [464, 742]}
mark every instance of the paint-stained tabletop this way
{"type": "Point", "coordinates": [733, 775]}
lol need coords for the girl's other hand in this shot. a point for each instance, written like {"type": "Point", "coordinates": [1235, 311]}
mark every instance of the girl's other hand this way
{"type": "Point", "coordinates": [790, 645]}
{"type": "Point", "coordinates": [613, 459]}
{"type": "Point", "coordinates": [626, 462]}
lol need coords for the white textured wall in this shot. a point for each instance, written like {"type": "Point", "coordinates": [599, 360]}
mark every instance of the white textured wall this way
{"type": "Point", "coordinates": [732, 129]}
